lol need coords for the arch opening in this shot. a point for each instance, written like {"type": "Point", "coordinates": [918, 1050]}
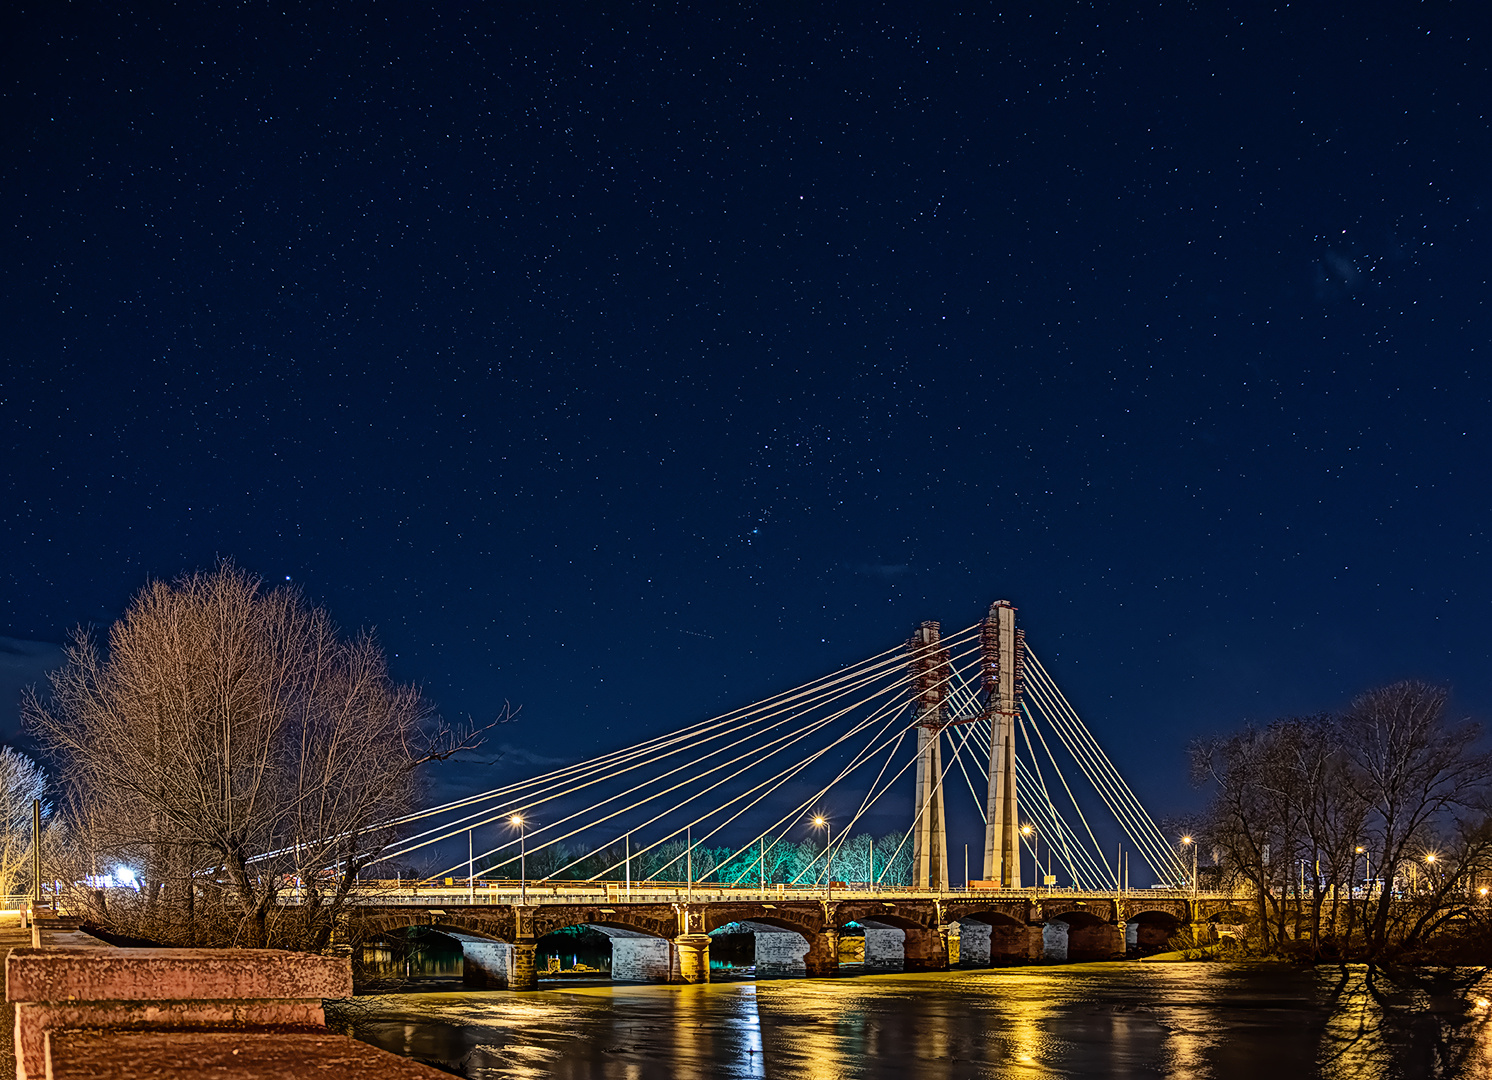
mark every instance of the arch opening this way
{"type": "Point", "coordinates": [1080, 935]}
{"type": "Point", "coordinates": [762, 948]}
{"type": "Point", "coordinates": [411, 959]}
{"type": "Point", "coordinates": [1150, 932]}
{"type": "Point", "coordinates": [988, 938]}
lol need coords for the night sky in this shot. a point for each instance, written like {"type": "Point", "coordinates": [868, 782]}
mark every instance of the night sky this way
{"type": "Point", "coordinates": [632, 363]}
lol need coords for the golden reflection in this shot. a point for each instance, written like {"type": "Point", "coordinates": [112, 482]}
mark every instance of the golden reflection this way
{"type": "Point", "coordinates": [1125, 1021]}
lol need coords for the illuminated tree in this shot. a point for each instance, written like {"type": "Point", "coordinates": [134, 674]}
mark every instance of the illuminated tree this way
{"type": "Point", "coordinates": [230, 744]}
{"type": "Point", "coordinates": [21, 782]}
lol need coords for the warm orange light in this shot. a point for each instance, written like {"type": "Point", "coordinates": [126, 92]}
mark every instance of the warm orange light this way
{"type": "Point", "coordinates": [1483, 890]}
{"type": "Point", "coordinates": [1359, 849]}
{"type": "Point", "coordinates": [516, 820]}
{"type": "Point", "coordinates": [819, 821]}
{"type": "Point", "coordinates": [1430, 857]}
{"type": "Point", "coordinates": [1025, 830]}
{"type": "Point", "coordinates": [1186, 839]}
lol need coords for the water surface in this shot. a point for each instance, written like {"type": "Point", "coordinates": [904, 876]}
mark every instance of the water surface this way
{"type": "Point", "coordinates": [1096, 1020]}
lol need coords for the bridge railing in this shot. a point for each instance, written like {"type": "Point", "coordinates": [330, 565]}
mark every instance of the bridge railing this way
{"type": "Point", "coordinates": [511, 892]}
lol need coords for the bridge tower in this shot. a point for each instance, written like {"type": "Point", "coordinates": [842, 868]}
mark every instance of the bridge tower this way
{"type": "Point", "coordinates": [933, 670]}
{"type": "Point", "coordinates": [1002, 666]}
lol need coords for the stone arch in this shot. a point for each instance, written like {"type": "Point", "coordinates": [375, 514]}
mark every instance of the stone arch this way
{"type": "Point", "coordinates": [650, 921]}
{"type": "Point", "coordinates": [1076, 934]}
{"type": "Point", "coordinates": [805, 923]}
{"type": "Point", "coordinates": [1151, 930]}
{"type": "Point", "coordinates": [1226, 914]}
{"type": "Point", "coordinates": [1175, 907]}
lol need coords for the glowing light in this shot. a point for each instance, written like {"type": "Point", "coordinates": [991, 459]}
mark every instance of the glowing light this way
{"type": "Point", "coordinates": [1430, 857]}
{"type": "Point", "coordinates": [1186, 839]}
{"type": "Point", "coordinates": [516, 820]}
{"type": "Point", "coordinates": [1025, 830]}
{"type": "Point", "coordinates": [819, 821]}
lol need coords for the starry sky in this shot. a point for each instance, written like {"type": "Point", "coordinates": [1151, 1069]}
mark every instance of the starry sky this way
{"type": "Point", "coordinates": [631, 363]}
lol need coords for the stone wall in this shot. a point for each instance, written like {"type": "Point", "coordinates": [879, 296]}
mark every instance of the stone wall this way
{"type": "Point", "coordinates": [780, 952]}
{"type": "Point", "coordinates": [883, 948]}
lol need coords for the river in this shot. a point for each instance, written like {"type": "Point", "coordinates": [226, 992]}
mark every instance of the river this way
{"type": "Point", "coordinates": [1202, 1020]}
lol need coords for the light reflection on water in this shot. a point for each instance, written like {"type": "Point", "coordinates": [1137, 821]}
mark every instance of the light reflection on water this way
{"type": "Point", "coordinates": [1101, 1020]}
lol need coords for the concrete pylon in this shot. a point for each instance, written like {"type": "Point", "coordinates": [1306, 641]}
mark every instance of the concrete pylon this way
{"type": "Point", "coordinates": [931, 666]}
{"type": "Point", "coordinates": [1001, 670]}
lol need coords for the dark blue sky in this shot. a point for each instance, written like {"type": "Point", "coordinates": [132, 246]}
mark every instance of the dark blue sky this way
{"type": "Point", "coordinates": [633, 363]}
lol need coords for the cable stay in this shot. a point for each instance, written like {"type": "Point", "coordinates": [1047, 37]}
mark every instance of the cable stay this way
{"type": "Point", "coordinates": [746, 779]}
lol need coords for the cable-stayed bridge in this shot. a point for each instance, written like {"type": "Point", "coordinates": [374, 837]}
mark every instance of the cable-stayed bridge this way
{"type": "Point", "coordinates": [750, 818]}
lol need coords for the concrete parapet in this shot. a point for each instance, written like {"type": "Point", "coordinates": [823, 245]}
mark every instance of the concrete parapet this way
{"type": "Point", "coordinates": [108, 974]}
{"type": "Point", "coordinates": [99, 987]}
{"type": "Point", "coordinates": [162, 1055]}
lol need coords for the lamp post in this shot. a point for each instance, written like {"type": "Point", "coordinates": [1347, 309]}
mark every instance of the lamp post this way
{"type": "Point", "coordinates": [823, 823]}
{"type": "Point", "coordinates": [1192, 843]}
{"type": "Point", "coordinates": [1029, 830]}
{"type": "Point", "coordinates": [518, 823]}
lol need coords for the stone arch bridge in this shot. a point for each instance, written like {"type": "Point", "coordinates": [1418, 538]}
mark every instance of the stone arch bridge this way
{"type": "Point", "coordinates": [665, 937]}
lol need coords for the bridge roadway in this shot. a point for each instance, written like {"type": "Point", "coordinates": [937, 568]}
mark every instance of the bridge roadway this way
{"type": "Point", "coordinates": [660, 932]}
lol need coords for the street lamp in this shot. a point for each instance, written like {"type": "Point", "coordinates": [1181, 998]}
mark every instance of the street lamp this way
{"type": "Point", "coordinates": [518, 823]}
{"type": "Point", "coordinates": [1028, 830]}
{"type": "Point", "coordinates": [822, 822]}
{"type": "Point", "coordinates": [1367, 877]}
{"type": "Point", "coordinates": [1191, 843]}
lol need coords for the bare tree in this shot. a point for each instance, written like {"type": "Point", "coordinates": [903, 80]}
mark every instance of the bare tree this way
{"type": "Point", "coordinates": [1419, 775]}
{"type": "Point", "coordinates": [21, 783]}
{"type": "Point", "coordinates": [232, 745]}
{"type": "Point", "coordinates": [1391, 782]}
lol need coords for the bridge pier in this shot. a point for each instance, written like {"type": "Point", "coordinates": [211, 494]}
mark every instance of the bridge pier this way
{"type": "Point", "coordinates": [822, 957]}
{"type": "Point", "coordinates": [924, 950]}
{"type": "Point", "coordinates": [523, 974]}
{"type": "Point", "coordinates": [692, 958]}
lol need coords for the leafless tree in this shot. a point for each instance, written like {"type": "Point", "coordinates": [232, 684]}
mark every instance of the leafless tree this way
{"type": "Point", "coordinates": [22, 782]}
{"type": "Point", "coordinates": [1390, 782]}
{"type": "Point", "coordinates": [1424, 781]}
{"type": "Point", "coordinates": [236, 749]}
